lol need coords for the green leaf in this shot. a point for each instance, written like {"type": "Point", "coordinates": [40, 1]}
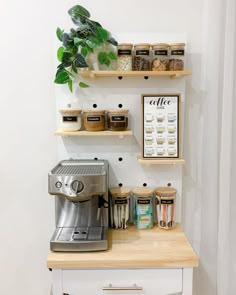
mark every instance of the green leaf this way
{"type": "Point", "coordinates": [74, 69]}
{"type": "Point", "coordinates": [78, 41]}
{"type": "Point", "coordinates": [112, 41]}
{"type": "Point", "coordinates": [80, 62]}
{"type": "Point", "coordinates": [83, 85]}
{"type": "Point", "coordinates": [112, 55]}
{"type": "Point", "coordinates": [102, 34]}
{"type": "Point", "coordinates": [91, 44]}
{"type": "Point", "coordinates": [103, 58]}
{"type": "Point", "coordinates": [84, 51]}
{"type": "Point", "coordinates": [62, 77]}
{"type": "Point", "coordinates": [78, 10]}
{"type": "Point", "coordinates": [59, 33]}
{"type": "Point", "coordinates": [60, 52]}
{"type": "Point", "coordinates": [70, 85]}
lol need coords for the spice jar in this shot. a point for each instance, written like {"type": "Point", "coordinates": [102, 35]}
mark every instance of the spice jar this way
{"type": "Point", "coordinates": [117, 120]}
{"type": "Point", "coordinates": [160, 61]}
{"type": "Point", "coordinates": [124, 59]}
{"type": "Point", "coordinates": [94, 120]}
{"type": "Point", "coordinates": [165, 207]}
{"type": "Point", "coordinates": [177, 57]}
{"type": "Point", "coordinates": [70, 120]}
{"type": "Point", "coordinates": [141, 57]}
{"type": "Point", "coordinates": [143, 209]}
{"type": "Point", "coordinates": [119, 209]}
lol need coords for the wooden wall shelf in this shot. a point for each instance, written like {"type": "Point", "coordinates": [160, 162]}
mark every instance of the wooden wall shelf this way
{"type": "Point", "coordinates": [145, 74]}
{"type": "Point", "coordinates": [161, 161]}
{"type": "Point", "coordinates": [121, 134]}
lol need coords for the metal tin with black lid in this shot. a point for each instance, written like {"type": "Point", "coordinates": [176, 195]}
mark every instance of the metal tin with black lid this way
{"type": "Point", "coordinates": [165, 207]}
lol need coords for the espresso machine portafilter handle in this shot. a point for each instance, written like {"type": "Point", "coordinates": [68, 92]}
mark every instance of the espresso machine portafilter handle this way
{"type": "Point", "coordinates": [101, 203]}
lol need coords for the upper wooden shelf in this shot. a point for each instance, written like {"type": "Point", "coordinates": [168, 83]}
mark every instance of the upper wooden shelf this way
{"type": "Point", "coordinates": [145, 74]}
{"type": "Point", "coordinates": [120, 134]}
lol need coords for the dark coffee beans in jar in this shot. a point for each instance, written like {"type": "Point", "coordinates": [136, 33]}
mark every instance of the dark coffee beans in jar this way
{"type": "Point", "coordinates": [177, 57]}
{"type": "Point", "coordinates": [117, 120]}
{"type": "Point", "coordinates": [141, 57]}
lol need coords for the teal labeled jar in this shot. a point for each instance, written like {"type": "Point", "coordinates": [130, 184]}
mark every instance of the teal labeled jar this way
{"type": "Point", "coordinates": [143, 207]}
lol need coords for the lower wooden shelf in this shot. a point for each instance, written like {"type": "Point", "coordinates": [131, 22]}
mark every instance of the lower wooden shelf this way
{"type": "Point", "coordinates": [94, 133]}
{"type": "Point", "coordinates": [161, 161]}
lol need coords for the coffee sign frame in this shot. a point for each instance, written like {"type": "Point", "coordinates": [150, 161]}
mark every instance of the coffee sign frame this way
{"type": "Point", "coordinates": [161, 126]}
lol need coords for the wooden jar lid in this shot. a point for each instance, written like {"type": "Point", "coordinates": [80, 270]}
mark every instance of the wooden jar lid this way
{"type": "Point", "coordinates": [165, 191]}
{"type": "Point", "coordinates": [142, 191]}
{"type": "Point", "coordinates": [94, 112]}
{"type": "Point", "coordinates": [160, 45]}
{"type": "Point", "coordinates": [125, 46]}
{"type": "Point", "coordinates": [177, 45]}
{"type": "Point", "coordinates": [120, 191]}
{"type": "Point", "coordinates": [142, 46]}
{"type": "Point", "coordinates": [70, 112]}
{"type": "Point", "coordinates": [118, 111]}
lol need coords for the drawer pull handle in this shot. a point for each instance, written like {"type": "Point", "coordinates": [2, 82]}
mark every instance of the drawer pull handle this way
{"type": "Point", "coordinates": [122, 288]}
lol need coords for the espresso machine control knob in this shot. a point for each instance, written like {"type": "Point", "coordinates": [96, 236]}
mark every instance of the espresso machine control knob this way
{"type": "Point", "coordinates": [77, 186]}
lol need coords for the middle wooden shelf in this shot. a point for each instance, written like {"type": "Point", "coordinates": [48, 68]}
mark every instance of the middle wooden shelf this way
{"type": "Point", "coordinates": [94, 133]}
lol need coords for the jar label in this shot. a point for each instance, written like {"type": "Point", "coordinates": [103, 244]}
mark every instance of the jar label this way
{"type": "Point", "coordinates": [142, 52]}
{"type": "Point", "coordinates": [120, 202]}
{"type": "Point", "coordinates": [93, 119]}
{"type": "Point", "coordinates": [118, 118]}
{"type": "Point", "coordinates": [143, 202]}
{"type": "Point", "coordinates": [69, 119]}
{"type": "Point", "coordinates": [124, 52]}
{"type": "Point", "coordinates": [177, 52]}
{"type": "Point", "coordinates": [167, 202]}
{"type": "Point", "coordinates": [161, 52]}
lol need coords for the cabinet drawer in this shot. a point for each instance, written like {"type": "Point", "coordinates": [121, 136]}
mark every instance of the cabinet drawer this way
{"type": "Point", "coordinates": [122, 281]}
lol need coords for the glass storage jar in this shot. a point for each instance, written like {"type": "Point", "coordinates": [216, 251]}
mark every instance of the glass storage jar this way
{"type": "Point", "coordinates": [177, 57]}
{"type": "Point", "coordinates": [141, 57]}
{"type": "Point", "coordinates": [143, 207]}
{"type": "Point", "coordinates": [119, 207]}
{"type": "Point", "coordinates": [124, 59]}
{"type": "Point", "coordinates": [165, 207]}
{"type": "Point", "coordinates": [117, 120]}
{"type": "Point", "coordinates": [70, 120]}
{"type": "Point", "coordinates": [94, 120]}
{"type": "Point", "coordinates": [160, 60]}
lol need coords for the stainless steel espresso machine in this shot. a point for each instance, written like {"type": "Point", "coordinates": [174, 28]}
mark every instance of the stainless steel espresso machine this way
{"type": "Point", "coordinates": [81, 205]}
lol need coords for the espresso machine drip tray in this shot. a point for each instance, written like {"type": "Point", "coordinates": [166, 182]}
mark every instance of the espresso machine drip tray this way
{"type": "Point", "coordinates": [79, 239]}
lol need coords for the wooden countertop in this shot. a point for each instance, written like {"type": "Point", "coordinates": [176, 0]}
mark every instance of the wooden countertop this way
{"type": "Point", "coordinates": [133, 248]}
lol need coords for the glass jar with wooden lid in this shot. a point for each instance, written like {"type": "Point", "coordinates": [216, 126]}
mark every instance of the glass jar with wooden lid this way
{"type": "Point", "coordinates": [70, 120]}
{"type": "Point", "coordinates": [117, 120]}
{"type": "Point", "coordinates": [94, 120]}
{"type": "Point", "coordinates": [160, 60]}
{"type": "Point", "coordinates": [141, 57]}
{"type": "Point", "coordinates": [143, 207]}
{"type": "Point", "coordinates": [124, 59]}
{"type": "Point", "coordinates": [119, 207]}
{"type": "Point", "coordinates": [165, 207]}
{"type": "Point", "coordinates": [177, 57]}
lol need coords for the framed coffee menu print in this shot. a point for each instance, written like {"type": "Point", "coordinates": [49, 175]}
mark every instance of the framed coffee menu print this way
{"type": "Point", "coordinates": [160, 127]}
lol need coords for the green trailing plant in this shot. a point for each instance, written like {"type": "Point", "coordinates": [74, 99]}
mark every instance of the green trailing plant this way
{"type": "Point", "coordinates": [78, 43]}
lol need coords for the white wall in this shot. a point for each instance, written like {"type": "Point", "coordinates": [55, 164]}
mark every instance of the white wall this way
{"type": "Point", "coordinates": [28, 118]}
